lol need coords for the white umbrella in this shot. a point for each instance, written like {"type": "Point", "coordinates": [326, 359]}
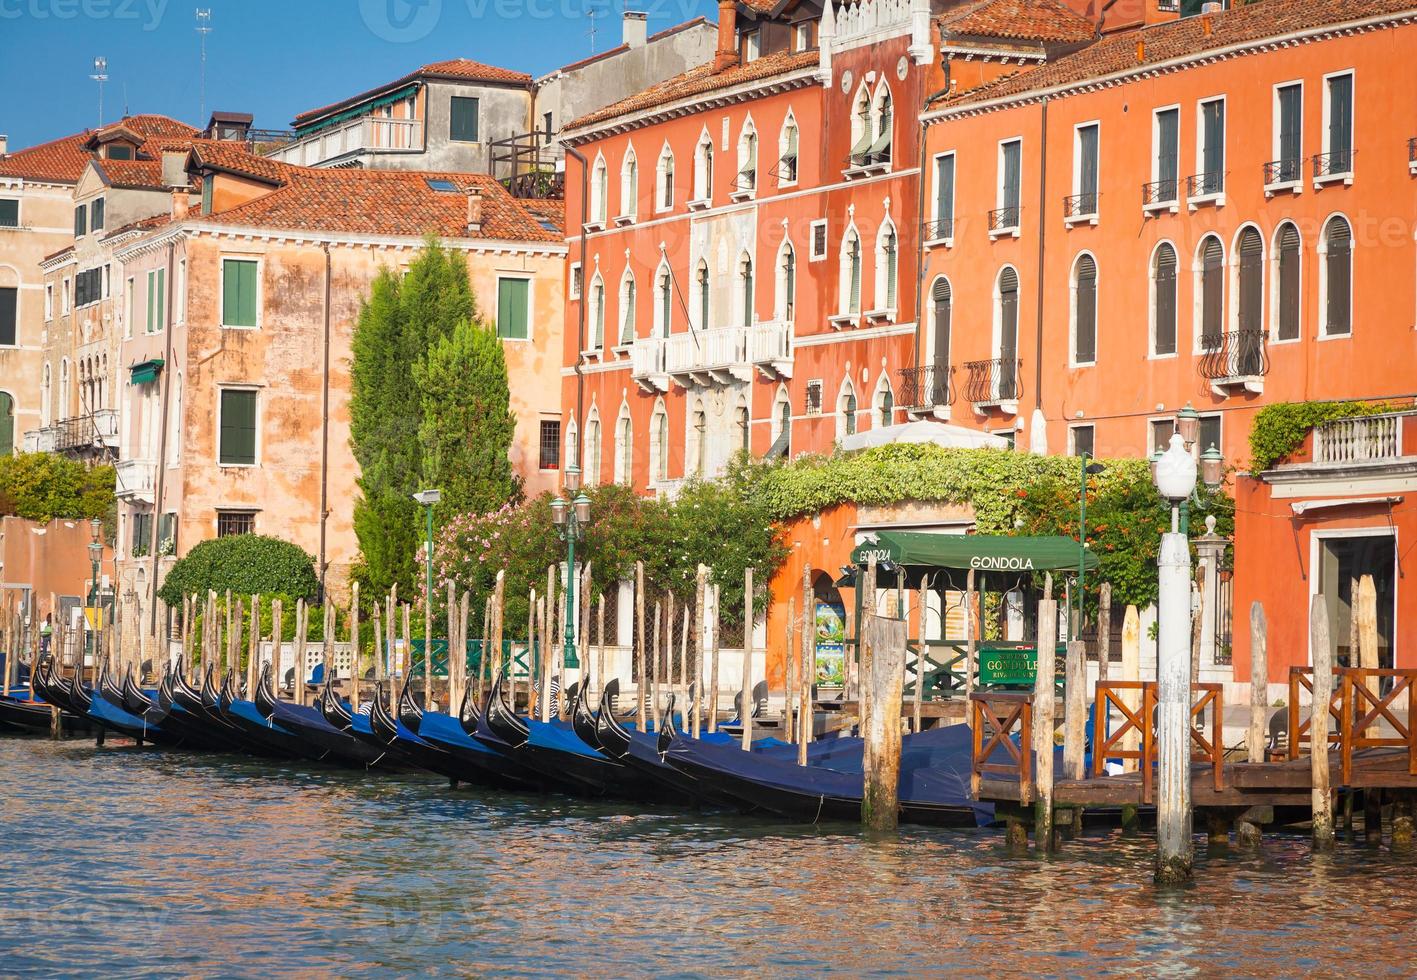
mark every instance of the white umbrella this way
{"type": "Point", "coordinates": [938, 433]}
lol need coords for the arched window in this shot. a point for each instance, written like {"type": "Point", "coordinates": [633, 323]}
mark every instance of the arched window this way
{"type": "Point", "coordinates": [880, 151]}
{"type": "Point", "coordinates": [701, 286]}
{"type": "Point", "coordinates": [846, 411]}
{"type": "Point", "coordinates": [597, 313]}
{"type": "Point", "coordinates": [703, 169]}
{"type": "Point", "coordinates": [1211, 308]}
{"type": "Point", "coordinates": [627, 308]}
{"type": "Point", "coordinates": [941, 298]}
{"type": "Point", "coordinates": [7, 424]}
{"type": "Point", "coordinates": [1163, 301]}
{"type": "Point", "coordinates": [46, 392]}
{"type": "Point", "coordinates": [747, 158]}
{"type": "Point", "coordinates": [573, 450]}
{"type": "Point", "coordinates": [1336, 263]}
{"type": "Point", "coordinates": [745, 288]}
{"type": "Point", "coordinates": [862, 132]}
{"type": "Point", "coordinates": [851, 272]}
{"type": "Point", "coordinates": [885, 402]}
{"type": "Point", "coordinates": [65, 400]}
{"type": "Point", "coordinates": [624, 446]}
{"type": "Point", "coordinates": [741, 419]}
{"type": "Point", "coordinates": [696, 460]}
{"type": "Point", "coordinates": [781, 425]}
{"type": "Point", "coordinates": [599, 191]}
{"type": "Point", "coordinates": [785, 298]}
{"type": "Point", "coordinates": [592, 448]}
{"type": "Point", "coordinates": [664, 179]}
{"type": "Point", "coordinates": [659, 446]}
{"type": "Point", "coordinates": [1085, 311]}
{"type": "Point", "coordinates": [663, 300]}
{"type": "Point", "coordinates": [886, 265]}
{"type": "Point", "coordinates": [787, 148]}
{"type": "Point", "coordinates": [1004, 384]}
{"type": "Point", "coordinates": [629, 184]}
{"type": "Point", "coordinates": [174, 425]}
{"type": "Point", "coordinates": [1249, 301]}
{"type": "Point", "coordinates": [1285, 300]}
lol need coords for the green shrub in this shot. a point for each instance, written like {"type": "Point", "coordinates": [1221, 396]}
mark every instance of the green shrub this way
{"type": "Point", "coordinates": [246, 564]}
{"type": "Point", "coordinates": [44, 486]}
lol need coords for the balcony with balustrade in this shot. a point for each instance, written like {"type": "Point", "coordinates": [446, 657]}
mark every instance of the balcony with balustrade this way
{"type": "Point", "coordinates": [1235, 359]}
{"type": "Point", "coordinates": [715, 357]}
{"type": "Point", "coordinates": [341, 144]}
{"type": "Point", "coordinates": [926, 391]}
{"type": "Point", "coordinates": [994, 385]}
{"type": "Point", "coordinates": [83, 435]}
{"type": "Point", "coordinates": [135, 479]}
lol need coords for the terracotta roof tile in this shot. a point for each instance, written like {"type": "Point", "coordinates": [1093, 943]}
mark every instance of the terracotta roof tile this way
{"type": "Point", "coordinates": [63, 160]}
{"type": "Point", "coordinates": [140, 174]}
{"type": "Point", "coordinates": [1117, 53]}
{"type": "Point", "coordinates": [463, 69]}
{"type": "Point", "coordinates": [389, 202]}
{"type": "Point", "coordinates": [701, 80]}
{"type": "Point", "coordinates": [235, 158]}
{"type": "Point", "coordinates": [1049, 21]}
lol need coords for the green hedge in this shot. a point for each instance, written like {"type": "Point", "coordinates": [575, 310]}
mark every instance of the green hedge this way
{"type": "Point", "coordinates": [246, 564]}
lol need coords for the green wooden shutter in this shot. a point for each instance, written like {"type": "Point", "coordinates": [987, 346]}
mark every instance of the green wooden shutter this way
{"type": "Point", "coordinates": [1339, 271]}
{"type": "Point", "coordinates": [80, 220]}
{"type": "Point", "coordinates": [891, 272]}
{"type": "Point", "coordinates": [1340, 122]}
{"type": "Point", "coordinates": [1168, 137]}
{"type": "Point", "coordinates": [238, 306]}
{"type": "Point", "coordinates": [1165, 287]}
{"type": "Point", "coordinates": [7, 424]}
{"type": "Point", "coordinates": [1085, 314]}
{"type": "Point", "coordinates": [512, 307]}
{"type": "Point", "coordinates": [1290, 107]}
{"type": "Point", "coordinates": [238, 428]}
{"type": "Point", "coordinates": [463, 120]}
{"type": "Point", "coordinates": [1087, 151]}
{"type": "Point", "coordinates": [854, 300]}
{"type": "Point", "coordinates": [9, 213]}
{"type": "Point", "coordinates": [1289, 283]}
{"type": "Point", "coordinates": [627, 328]}
{"type": "Point", "coordinates": [9, 301]}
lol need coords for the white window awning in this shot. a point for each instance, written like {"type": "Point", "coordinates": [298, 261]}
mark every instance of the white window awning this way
{"type": "Point", "coordinates": [1302, 507]}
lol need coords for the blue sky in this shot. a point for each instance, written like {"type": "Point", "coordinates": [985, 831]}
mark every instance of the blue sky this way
{"type": "Point", "coordinates": [273, 58]}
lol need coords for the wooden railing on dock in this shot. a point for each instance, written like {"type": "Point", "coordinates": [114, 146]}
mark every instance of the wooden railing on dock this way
{"type": "Point", "coordinates": [1142, 721]}
{"type": "Point", "coordinates": [1001, 715]}
{"type": "Point", "coordinates": [1359, 709]}
{"type": "Point", "coordinates": [1303, 677]}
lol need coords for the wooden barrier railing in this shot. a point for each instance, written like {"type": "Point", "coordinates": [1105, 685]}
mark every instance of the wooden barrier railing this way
{"type": "Point", "coordinates": [1303, 677]}
{"type": "Point", "coordinates": [1367, 709]}
{"type": "Point", "coordinates": [1002, 715]}
{"type": "Point", "coordinates": [1209, 749]}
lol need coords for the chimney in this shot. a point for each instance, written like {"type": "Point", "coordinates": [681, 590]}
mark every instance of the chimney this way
{"type": "Point", "coordinates": [634, 28]}
{"type": "Point", "coordinates": [1207, 27]}
{"type": "Point", "coordinates": [727, 54]}
{"type": "Point", "coordinates": [179, 204]}
{"type": "Point", "coordinates": [4, 145]}
{"type": "Point", "coordinates": [1141, 51]}
{"type": "Point", "coordinates": [474, 211]}
{"type": "Point", "coordinates": [174, 168]}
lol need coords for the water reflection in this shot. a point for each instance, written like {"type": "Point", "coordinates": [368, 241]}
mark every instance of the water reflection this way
{"type": "Point", "coordinates": [120, 860]}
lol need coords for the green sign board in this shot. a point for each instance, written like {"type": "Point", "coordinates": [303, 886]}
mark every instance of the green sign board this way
{"type": "Point", "coordinates": [1008, 666]}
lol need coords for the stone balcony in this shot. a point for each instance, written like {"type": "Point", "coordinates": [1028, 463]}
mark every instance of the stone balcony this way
{"type": "Point", "coordinates": [81, 434]}
{"type": "Point", "coordinates": [136, 479]}
{"type": "Point", "coordinates": [715, 357]}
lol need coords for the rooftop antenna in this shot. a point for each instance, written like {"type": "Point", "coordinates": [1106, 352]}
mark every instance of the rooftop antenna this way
{"type": "Point", "coordinates": [591, 14]}
{"type": "Point", "coordinates": [204, 27]}
{"type": "Point", "coordinates": [100, 75]}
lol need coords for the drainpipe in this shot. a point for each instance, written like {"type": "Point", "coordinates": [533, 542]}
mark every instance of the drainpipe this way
{"type": "Point", "coordinates": [161, 461]}
{"type": "Point", "coordinates": [580, 316]}
{"type": "Point", "coordinates": [1042, 234]}
{"type": "Point", "coordinates": [325, 428]}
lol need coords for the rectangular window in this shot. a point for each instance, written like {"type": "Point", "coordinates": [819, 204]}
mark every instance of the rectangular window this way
{"type": "Point", "coordinates": [550, 444]}
{"type": "Point", "coordinates": [49, 301]}
{"type": "Point", "coordinates": [9, 300]}
{"type": "Point", "coordinates": [167, 534]}
{"type": "Point", "coordinates": [1211, 151]}
{"type": "Point", "coordinates": [462, 127]}
{"type": "Point", "coordinates": [66, 296]}
{"type": "Point", "coordinates": [233, 522]}
{"type": "Point", "coordinates": [88, 287]}
{"type": "Point", "coordinates": [207, 194]}
{"type": "Point", "coordinates": [1159, 434]}
{"type": "Point", "coordinates": [238, 292]}
{"type": "Point", "coordinates": [157, 298]}
{"type": "Point", "coordinates": [1338, 134]}
{"type": "Point", "coordinates": [1288, 121]}
{"type": "Point", "coordinates": [1167, 164]}
{"type": "Point", "coordinates": [513, 309]}
{"type": "Point", "coordinates": [237, 437]}
{"type": "Point", "coordinates": [575, 284]}
{"type": "Point", "coordinates": [1010, 165]}
{"type": "Point", "coordinates": [81, 214]}
{"type": "Point", "coordinates": [818, 241]}
{"type": "Point", "coordinates": [944, 198]}
{"type": "Point", "coordinates": [9, 212]}
{"type": "Point", "coordinates": [142, 525]}
{"type": "Point", "coordinates": [181, 293]}
{"type": "Point", "coordinates": [96, 214]}
{"type": "Point", "coordinates": [814, 397]}
{"type": "Point", "coordinates": [1085, 168]}
{"type": "Point", "coordinates": [1082, 439]}
{"type": "Point", "coordinates": [128, 308]}
{"type": "Point", "coordinates": [1209, 434]}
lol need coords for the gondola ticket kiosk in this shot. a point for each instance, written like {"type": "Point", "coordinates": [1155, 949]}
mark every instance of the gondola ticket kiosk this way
{"type": "Point", "coordinates": [1008, 582]}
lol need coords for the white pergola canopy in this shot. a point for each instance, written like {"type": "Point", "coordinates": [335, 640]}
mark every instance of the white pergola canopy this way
{"type": "Point", "coordinates": [937, 433]}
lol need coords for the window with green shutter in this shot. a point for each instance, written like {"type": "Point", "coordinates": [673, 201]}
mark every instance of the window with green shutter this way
{"type": "Point", "coordinates": [207, 195]}
{"type": "Point", "coordinates": [157, 297]}
{"type": "Point", "coordinates": [81, 214]}
{"type": "Point", "coordinates": [513, 308]}
{"type": "Point", "coordinates": [237, 438]}
{"type": "Point", "coordinates": [238, 292]}
{"type": "Point", "coordinates": [462, 126]}
{"type": "Point", "coordinates": [96, 214]}
{"type": "Point", "coordinates": [9, 212]}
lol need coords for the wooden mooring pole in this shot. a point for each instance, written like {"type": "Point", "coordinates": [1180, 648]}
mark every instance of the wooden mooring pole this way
{"type": "Point", "coordinates": [1075, 710]}
{"type": "Point", "coordinates": [880, 805]}
{"type": "Point", "coordinates": [1044, 694]}
{"type": "Point", "coordinates": [1259, 682]}
{"type": "Point", "coordinates": [1322, 654]}
{"type": "Point", "coordinates": [745, 703]}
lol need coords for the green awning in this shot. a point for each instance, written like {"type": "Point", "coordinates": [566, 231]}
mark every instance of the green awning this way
{"type": "Point", "coordinates": [988, 553]}
{"type": "Point", "coordinates": [361, 109]}
{"type": "Point", "coordinates": [145, 371]}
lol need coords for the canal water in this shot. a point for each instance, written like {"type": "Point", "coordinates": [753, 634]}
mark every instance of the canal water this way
{"type": "Point", "coordinates": [120, 861]}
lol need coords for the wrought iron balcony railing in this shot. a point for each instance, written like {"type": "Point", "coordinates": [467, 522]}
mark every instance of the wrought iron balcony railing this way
{"type": "Point", "coordinates": [925, 387]}
{"type": "Point", "coordinates": [1206, 184]}
{"type": "Point", "coordinates": [1234, 355]}
{"type": "Point", "coordinates": [1080, 205]}
{"type": "Point", "coordinates": [1283, 171]}
{"type": "Point", "coordinates": [939, 229]}
{"type": "Point", "coordinates": [1159, 192]}
{"type": "Point", "coordinates": [1003, 219]}
{"type": "Point", "coordinates": [1338, 163]}
{"type": "Point", "coordinates": [992, 381]}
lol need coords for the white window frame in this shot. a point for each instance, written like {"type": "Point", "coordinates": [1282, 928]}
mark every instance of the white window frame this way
{"type": "Point", "coordinates": [1216, 198]}
{"type": "Point", "coordinates": [883, 304]}
{"type": "Point", "coordinates": [749, 143]}
{"type": "Point", "coordinates": [666, 153]}
{"type": "Point", "coordinates": [780, 299]}
{"type": "Point", "coordinates": [1198, 290]}
{"type": "Point", "coordinates": [48, 301]}
{"type": "Point", "coordinates": [1346, 177]}
{"type": "Point", "coordinates": [999, 202]}
{"type": "Point", "coordinates": [947, 241]}
{"type": "Point", "coordinates": [625, 305]}
{"type": "Point", "coordinates": [179, 293]}
{"type": "Point", "coordinates": [1151, 421]}
{"type": "Point", "coordinates": [66, 300]}
{"type": "Point", "coordinates": [659, 326]}
{"type": "Point", "coordinates": [1091, 217]}
{"type": "Point", "coordinates": [842, 415]}
{"type": "Point", "coordinates": [595, 310]}
{"type": "Point", "coordinates": [1321, 251]}
{"type": "Point", "coordinates": [1072, 437]}
{"type": "Point", "coordinates": [599, 206]}
{"type": "Point", "coordinates": [1151, 353]}
{"type": "Point", "coordinates": [260, 415]}
{"type": "Point", "coordinates": [629, 187]}
{"type": "Point", "coordinates": [812, 254]}
{"type": "Point", "coordinates": [1073, 310]}
{"type": "Point", "coordinates": [1172, 206]}
{"type": "Point", "coordinates": [624, 448]}
{"type": "Point", "coordinates": [260, 289]}
{"type": "Point", "coordinates": [1232, 284]}
{"type": "Point", "coordinates": [1295, 186]}
{"type": "Point", "coordinates": [573, 282]}
{"type": "Point", "coordinates": [1273, 284]}
{"type": "Point", "coordinates": [789, 121]}
{"type": "Point", "coordinates": [529, 279]}
{"type": "Point", "coordinates": [128, 307]}
{"type": "Point", "coordinates": [701, 193]}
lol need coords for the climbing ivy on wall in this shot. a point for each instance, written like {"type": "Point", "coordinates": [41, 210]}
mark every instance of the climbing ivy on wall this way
{"type": "Point", "coordinates": [1280, 429]}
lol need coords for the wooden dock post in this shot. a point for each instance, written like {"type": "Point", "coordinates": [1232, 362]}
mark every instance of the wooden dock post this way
{"type": "Point", "coordinates": [880, 806]}
{"type": "Point", "coordinates": [277, 641]}
{"type": "Point", "coordinates": [808, 672]}
{"type": "Point", "coordinates": [1259, 682]}
{"type": "Point", "coordinates": [1368, 629]}
{"type": "Point", "coordinates": [1104, 631]}
{"type": "Point", "coordinates": [642, 684]}
{"type": "Point", "coordinates": [713, 661]}
{"type": "Point", "coordinates": [921, 660]}
{"type": "Point", "coordinates": [600, 648]}
{"type": "Point", "coordinates": [972, 623]}
{"type": "Point", "coordinates": [1075, 710]}
{"type": "Point", "coordinates": [745, 703]}
{"type": "Point", "coordinates": [1044, 695]}
{"type": "Point", "coordinates": [700, 596]}
{"type": "Point", "coordinates": [1402, 820]}
{"type": "Point", "coordinates": [652, 688]}
{"type": "Point", "coordinates": [790, 685]}
{"type": "Point", "coordinates": [1131, 671]}
{"type": "Point", "coordinates": [1322, 653]}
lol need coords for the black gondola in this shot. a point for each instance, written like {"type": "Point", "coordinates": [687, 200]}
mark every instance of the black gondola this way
{"type": "Point", "coordinates": [316, 738]}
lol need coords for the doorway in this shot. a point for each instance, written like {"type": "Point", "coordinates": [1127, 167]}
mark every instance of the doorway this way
{"type": "Point", "coordinates": [1343, 559]}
